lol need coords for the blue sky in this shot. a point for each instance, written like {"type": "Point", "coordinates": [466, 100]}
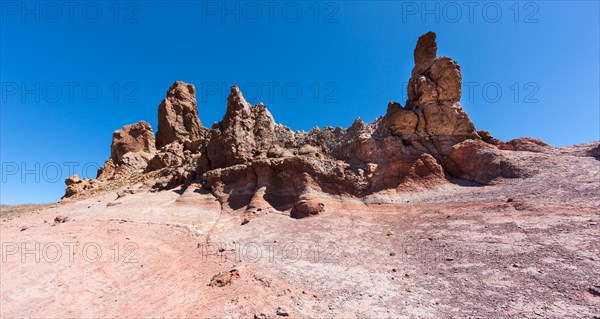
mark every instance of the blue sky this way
{"type": "Point", "coordinates": [530, 69]}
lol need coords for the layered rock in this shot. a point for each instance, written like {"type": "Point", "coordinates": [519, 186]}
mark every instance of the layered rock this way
{"type": "Point", "coordinates": [250, 162]}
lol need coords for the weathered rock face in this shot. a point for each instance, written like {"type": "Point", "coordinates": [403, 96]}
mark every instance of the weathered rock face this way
{"type": "Point", "coordinates": [131, 149]}
{"type": "Point", "coordinates": [76, 185]}
{"type": "Point", "coordinates": [133, 138]}
{"type": "Point", "coordinates": [178, 118]}
{"type": "Point", "coordinates": [250, 162]}
{"type": "Point", "coordinates": [524, 144]}
{"type": "Point", "coordinates": [245, 133]}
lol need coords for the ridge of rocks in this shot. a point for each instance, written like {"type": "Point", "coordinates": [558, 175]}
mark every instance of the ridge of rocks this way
{"type": "Point", "coordinates": [249, 161]}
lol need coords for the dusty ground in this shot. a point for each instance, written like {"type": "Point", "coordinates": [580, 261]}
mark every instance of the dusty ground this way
{"type": "Point", "coordinates": [522, 249]}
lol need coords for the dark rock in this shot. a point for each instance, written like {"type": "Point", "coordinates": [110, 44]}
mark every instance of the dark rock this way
{"type": "Point", "coordinates": [282, 312]}
{"type": "Point", "coordinates": [61, 219]}
{"type": "Point", "coordinates": [224, 278]}
{"type": "Point", "coordinates": [305, 208]}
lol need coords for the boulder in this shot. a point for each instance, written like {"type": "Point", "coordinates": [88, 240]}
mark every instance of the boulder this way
{"type": "Point", "coordinates": [307, 207]}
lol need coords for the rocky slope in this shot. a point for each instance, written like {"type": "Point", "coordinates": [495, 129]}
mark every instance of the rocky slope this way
{"type": "Point", "coordinates": [248, 160]}
{"type": "Point", "coordinates": [521, 248]}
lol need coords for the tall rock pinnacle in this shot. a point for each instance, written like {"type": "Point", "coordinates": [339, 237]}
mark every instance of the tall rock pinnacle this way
{"type": "Point", "coordinates": [178, 117]}
{"type": "Point", "coordinates": [425, 52]}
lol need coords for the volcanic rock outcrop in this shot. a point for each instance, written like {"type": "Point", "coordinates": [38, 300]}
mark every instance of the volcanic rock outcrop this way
{"type": "Point", "coordinates": [76, 185]}
{"type": "Point", "coordinates": [178, 118]}
{"type": "Point", "coordinates": [249, 161]}
{"type": "Point", "coordinates": [131, 149]}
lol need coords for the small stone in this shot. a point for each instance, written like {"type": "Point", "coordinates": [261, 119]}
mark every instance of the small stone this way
{"type": "Point", "coordinates": [61, 219]}
{"type": "Point", "coordinates": [282, 312]}
{"type": "Point", "coordinates": [594, 290]}
{"type": "Point", "coordinates": [224, 278]}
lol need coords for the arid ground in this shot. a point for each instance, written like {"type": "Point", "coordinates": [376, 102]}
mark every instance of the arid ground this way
{"type": "Point", "coordinates": [523, 248]}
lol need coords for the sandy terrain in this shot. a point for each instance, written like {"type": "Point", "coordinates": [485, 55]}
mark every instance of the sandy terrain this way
{"type": "Point", "coordinates": [526, 248]}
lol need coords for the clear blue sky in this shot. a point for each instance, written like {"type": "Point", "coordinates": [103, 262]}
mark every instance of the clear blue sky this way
{"type": "Point", "coordinates": [348, 59]}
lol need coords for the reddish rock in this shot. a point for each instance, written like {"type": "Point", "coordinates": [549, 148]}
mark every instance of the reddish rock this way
{"type": "Point", "coordinates": [307, 207]}
{"type": "Point", "coordinates": [131, 149]}
{"type": "Point", "coordinates": [425, 52]}
{"type": "Point", "coordinates": [250, 162]}
{"type": "Point", "coordinates": [133, 138]}
{"type": "Point", "coordinates": [178, 118]}
{"type": "Point", "coordinates": [75, 185]}
{"type": "Point", "coordinates": [476, 161]}
{"type": "Point", "coordinates": [526, 144]}
{"type": "Point", "coordinates": [224, 278]}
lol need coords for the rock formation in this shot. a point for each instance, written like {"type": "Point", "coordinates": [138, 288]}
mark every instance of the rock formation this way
{"type": "Point", "coordinates": [131, 149]}
{"type": "Point", "coordinates": [178, 118]}
{"type": "Point", "coordinates": [76, 185]}
{"type": "Point", "coordinates": [250, 162]}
